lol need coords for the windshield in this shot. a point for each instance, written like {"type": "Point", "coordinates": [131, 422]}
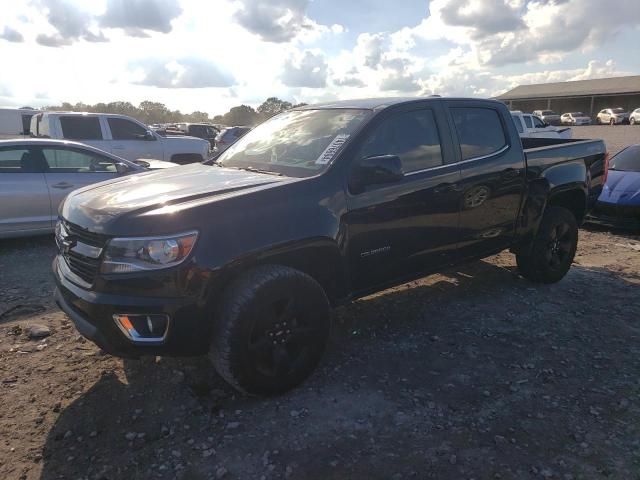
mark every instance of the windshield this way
{"type": "Point", "coordinates": [548, 112]}
{"type": "Point", "coordinates": [628, 160]}
{"type": "Point", "coordinates": [577, 114]}
{"type": "Point", "coordinates": [617, 110]}
{"type": "Point", "coordinates": [298, 143]}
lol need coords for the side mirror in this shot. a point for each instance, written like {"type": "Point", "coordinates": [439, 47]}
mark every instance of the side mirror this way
{"type": "Point", "coordinates": [121, 168]}
{"type": "Point", "coordinates": [149, 136]}
{"type": "Point", "coordinates": [377, 170]}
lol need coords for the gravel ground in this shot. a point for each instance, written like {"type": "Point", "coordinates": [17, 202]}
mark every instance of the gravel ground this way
{"type": "Point", "coordinates": [472, 373]}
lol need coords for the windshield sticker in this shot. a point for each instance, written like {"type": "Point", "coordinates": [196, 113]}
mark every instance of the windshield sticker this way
{"type": "Point", "coordinates": [331, 149]}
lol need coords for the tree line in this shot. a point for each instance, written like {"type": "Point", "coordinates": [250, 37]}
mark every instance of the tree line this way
{"type": "Point", "coordinates": [155, 112]}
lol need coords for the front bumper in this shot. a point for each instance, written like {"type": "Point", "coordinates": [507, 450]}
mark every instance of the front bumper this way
{"type": "Point", "coordinates": [92, 313]}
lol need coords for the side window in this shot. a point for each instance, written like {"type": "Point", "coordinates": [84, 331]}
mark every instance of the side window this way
{"type": "Point", "coordinates": [412, 136]}
{"type": "Point", "coordinates": [518, 123]}
{"type": "Point", "coordinates": [527, 121]}
{"type": "Point", "coordinates": [81, 128]}
{"type": "Point", "coordinates": [61, 160]}
{"type": "Point", "coordinates": [26, 123]}
{"type": "Point", "coordinates": [479, 130]}
{"type": "Point", "coordinates": [123, 129]}
{"type": "Point", "coordinates": [537, 123]}
{"type": "Point", "coordinates": [16, 160]}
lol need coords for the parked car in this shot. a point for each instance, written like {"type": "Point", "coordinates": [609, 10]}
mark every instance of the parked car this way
{"type": "Point", "coordinates": [121, 135]}
{"type": "Point", "coordinates": [612, 116]}
{"type": "Point", "coordinates": [36, 175]}
{"type": "Point", "coordinates": [530, 126]}
{"type": "Point", "coordinates": [317, 206]}
{"type": "Point", "coordinates": [200, 130]}
{"type": "Point", "coordinates": [548, 116]}
{"type": "Point", "coordinates": [15, 122]}
{"type": "Point", "coordinates": [619, 203]}
{"type": "Point", "coordinates": [634, 118]}
{"type": "Point", "coordinates": [228, 137]}
{"type": "Point", "coordinates": [575, 118]}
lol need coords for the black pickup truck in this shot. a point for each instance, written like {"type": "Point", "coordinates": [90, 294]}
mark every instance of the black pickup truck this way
{"type": "Point", "coordinates": [243, 258]}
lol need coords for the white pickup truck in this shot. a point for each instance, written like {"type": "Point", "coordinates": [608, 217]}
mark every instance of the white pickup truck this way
{"type": "Point", "coordinates": [120, 135]}
{"type": "Point", "coordinates": [531, 126]}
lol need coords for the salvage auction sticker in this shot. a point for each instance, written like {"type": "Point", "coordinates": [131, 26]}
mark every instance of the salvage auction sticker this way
{"type": "Point", "coordinates": [331, 149]}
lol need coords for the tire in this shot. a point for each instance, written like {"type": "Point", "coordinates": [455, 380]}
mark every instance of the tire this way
{"type": "Point", "coordinates": [271, 329]}
{"type": "Point", "coordinates": [551, 254]}
{"type": "Point", "coordinates": [612, 122]}
{"type": "Point", "coordinates": [632, 121]}
{"type": "Point", "coordinates": [598, 121]}
{"type": "Point", "coordinates": [185, 158]}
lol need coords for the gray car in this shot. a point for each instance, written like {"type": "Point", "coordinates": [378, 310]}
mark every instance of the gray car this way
{"type": "Point", "coordinates": [228, 137]}
{"type": "Point", "coordinates": [548, 116]}
{"type": "Point", "coordinates": [36, 175]}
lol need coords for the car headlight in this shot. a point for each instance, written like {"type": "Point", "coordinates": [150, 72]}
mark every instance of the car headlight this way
{"type": "Point", "coordinates": [135, 254]}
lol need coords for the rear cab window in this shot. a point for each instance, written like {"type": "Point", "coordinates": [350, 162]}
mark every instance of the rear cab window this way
{"type": "Point", "coordinates": [480, 131]}
{"type": "Point", "coordinates": [80, 128]}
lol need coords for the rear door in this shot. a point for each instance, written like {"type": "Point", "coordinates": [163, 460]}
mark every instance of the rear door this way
{"type": "Point", "coordinates": [400, 229]}
{"type": "Point", "coordinates": [70, 168]}
{"type": "Point", "coordinates": [130, 140]}
{"type": "Point", "coordinates": [492, 176]}
{"type": "Point", "coordinates": [24, 198]}
{"type": "Point", "coordinates": [85, 129]}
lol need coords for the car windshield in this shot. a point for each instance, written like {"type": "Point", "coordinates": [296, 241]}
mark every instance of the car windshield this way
{"type": "Point", "coordinates": [548, 112]}
{"type": "Point", "coordinates": [297, 143]}
{"type": "Point", "coordinates": [577, 114]}
{"type": "Point", "coordinates": [617, 110]}
{"type": "Point", "coordinates": [628, 160]}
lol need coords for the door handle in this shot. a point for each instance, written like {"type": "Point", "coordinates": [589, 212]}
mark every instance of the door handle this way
{"type": "Point", "coordinates": [62, 185]}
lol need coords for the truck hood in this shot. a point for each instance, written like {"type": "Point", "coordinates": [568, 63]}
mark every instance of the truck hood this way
{"type": "Point", "coordinates": [100, 203]}
{"type": "Point", "coordinates": [622, 188]}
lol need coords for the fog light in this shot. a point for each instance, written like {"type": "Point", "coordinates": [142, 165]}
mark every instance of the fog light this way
{"type": "Point", "coordinates": [143, 328]}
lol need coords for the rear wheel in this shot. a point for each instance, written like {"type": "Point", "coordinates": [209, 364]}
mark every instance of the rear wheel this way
{"type": "Point", "coordinates": [612, 122]}
{"type": "Point", "coordinates": [270, 330]}
{"type": "Point", "coordinates": [550, 256]}
{"type": "Point", "coordinates": [632, 121]}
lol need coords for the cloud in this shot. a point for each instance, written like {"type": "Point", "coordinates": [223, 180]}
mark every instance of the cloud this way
{"type": "Point", "coordinates": [70, 22]}
{"type": "Point", "coordinates": [401, 82]}
{"type": "Point", "coordinates": [370, 48]}
{"type": "Point", "coordinates": [309, 70]}
{"type": "Point", "coordinates": [275, 21]}
{"type": "Point", "coordinates": [135, 15]}
{"type": "Point", "coordinates": [190, 72]}
{"type": "Point", "coordinates": [484, 17]}
{"type": "Point", "coordinates": [348, 81]}
{"type": "Point", "coordinates": [11, 35]}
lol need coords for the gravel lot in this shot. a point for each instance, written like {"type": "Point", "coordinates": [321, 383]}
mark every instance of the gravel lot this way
{"type": "Point", "coordinates": [472, 373]}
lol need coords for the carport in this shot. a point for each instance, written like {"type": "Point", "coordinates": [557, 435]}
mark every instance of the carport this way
{"type": "Point", "coordinates": [587, 96]}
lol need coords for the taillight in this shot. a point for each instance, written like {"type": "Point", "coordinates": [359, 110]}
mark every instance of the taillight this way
{"type": "Point", "coordinates": [606, 167]}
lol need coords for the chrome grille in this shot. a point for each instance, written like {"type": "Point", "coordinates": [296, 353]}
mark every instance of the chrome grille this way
{"type": "Point", "coordinates": [81, 250]}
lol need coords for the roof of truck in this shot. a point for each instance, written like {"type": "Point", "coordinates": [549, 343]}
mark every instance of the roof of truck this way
{"type": "Point", "coordinates": [377, 103]}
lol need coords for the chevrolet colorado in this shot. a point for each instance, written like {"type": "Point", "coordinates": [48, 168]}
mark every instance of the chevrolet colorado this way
{"type": "Point", "coordinates": [243, 258]}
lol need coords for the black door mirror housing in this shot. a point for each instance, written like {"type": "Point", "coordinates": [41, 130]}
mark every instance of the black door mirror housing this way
{"type": "Point", "coordinates": [376, 170]}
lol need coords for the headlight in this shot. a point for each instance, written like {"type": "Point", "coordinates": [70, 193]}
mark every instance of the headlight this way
{"type": "Point", "coordinates": [124, 255]}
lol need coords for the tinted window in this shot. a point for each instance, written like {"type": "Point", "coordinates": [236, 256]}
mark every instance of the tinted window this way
{"type": "Point", "coordinates": [527, 121]}
{"type": "Point", "coordinates": [537, 123]}
{"type": "Point", "coordinates": [81, 128]}
{"type": "Point", "coordinates": [413, 136]}
{"type": "Point", "coordinates": [16, 160]}
{"type": "Point", "coordinates": [479, 130]}
{"type": "Point", "coordinates": [627, 160]}
{"type": "Point", "coordinates": [123, 129]}
{"type": "Point", "coordinates": [73, 161]}
{"type": "Point", "coordinates": [518, 123]}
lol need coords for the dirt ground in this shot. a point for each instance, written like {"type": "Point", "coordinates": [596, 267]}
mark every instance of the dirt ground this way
{"type": "Point", "coordinates": [474, 373]}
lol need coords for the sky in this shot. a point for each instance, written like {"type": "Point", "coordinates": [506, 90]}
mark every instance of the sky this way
{"type": "Point", "coordinates": [215, 54]}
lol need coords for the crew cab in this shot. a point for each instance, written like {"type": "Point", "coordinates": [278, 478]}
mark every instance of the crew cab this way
{"type": "Point", "coordinates": [200, 130]}
{"type": "Point", "coordinates": [118, 134]}
{"type": "Point", "coordinates": [530, 126]}
{"type": "Point", "coordinates": [243, 257]}
{"type": "Point", "coordinates": [548, 116]}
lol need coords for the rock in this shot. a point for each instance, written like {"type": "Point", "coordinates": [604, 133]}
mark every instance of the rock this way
{"type": "Point", "coordinates": [176, 453]}
{"type": "Point", "coordinates": [499, 440]}
{"type": "Point", "coordinates": [221, 472]}
{"type": "Point", "coordinates": [453, 459]}
{"type": "Point", "coordinates": [68, 434]}
{"type": "Point", "coordinates": [233, 425]}
{"type": "Point", "coordinates": [486, 393]}
{"type": "Point", "coordinates": [38, 331]}
{"type": "Point", "coordinates": [93, 434]}
{"type": "Point", "coordinates": [208, 452]}
{"type": "Point", "coordinates": [294, 413]}
{"type": "Point", "coordinates": [131, 436]}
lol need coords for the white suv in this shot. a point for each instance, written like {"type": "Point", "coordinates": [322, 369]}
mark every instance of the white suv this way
{"type": "Point", "coordinates": [120, 135]}
{"type": "Point", "coordinates": [634, 118]}
{"type": "Point", "coordinates": [612, 116]}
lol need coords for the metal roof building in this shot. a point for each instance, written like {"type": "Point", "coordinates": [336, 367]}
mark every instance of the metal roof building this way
{"type": "Point", "coordinates": [588, 96]}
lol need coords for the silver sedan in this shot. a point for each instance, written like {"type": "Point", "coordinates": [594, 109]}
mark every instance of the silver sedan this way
{"type": "Point", "coordinates": [36, 175]}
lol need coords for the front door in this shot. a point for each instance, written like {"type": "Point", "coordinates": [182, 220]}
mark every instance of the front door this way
{"type": "Point", "coordinates": [24, 199]}
{"type": "Point", "coordinates": [397, 230]}
{"type": "Point", "coordinates": [68, 169]}
{"type": "Point", "coordinates": [130, 140]}
{"type": "Point", "coordinates": [492, 177]}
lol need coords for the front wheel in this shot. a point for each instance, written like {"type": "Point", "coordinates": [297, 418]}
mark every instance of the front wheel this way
{"type": "Point", "coordinates": [632, 121]}
{"type": "Point", "coordinates": [612, 122]}
{"type": "Point", "coordinates": [550, 256]}
{"type": "Point", "coordinates": [270, 330]}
